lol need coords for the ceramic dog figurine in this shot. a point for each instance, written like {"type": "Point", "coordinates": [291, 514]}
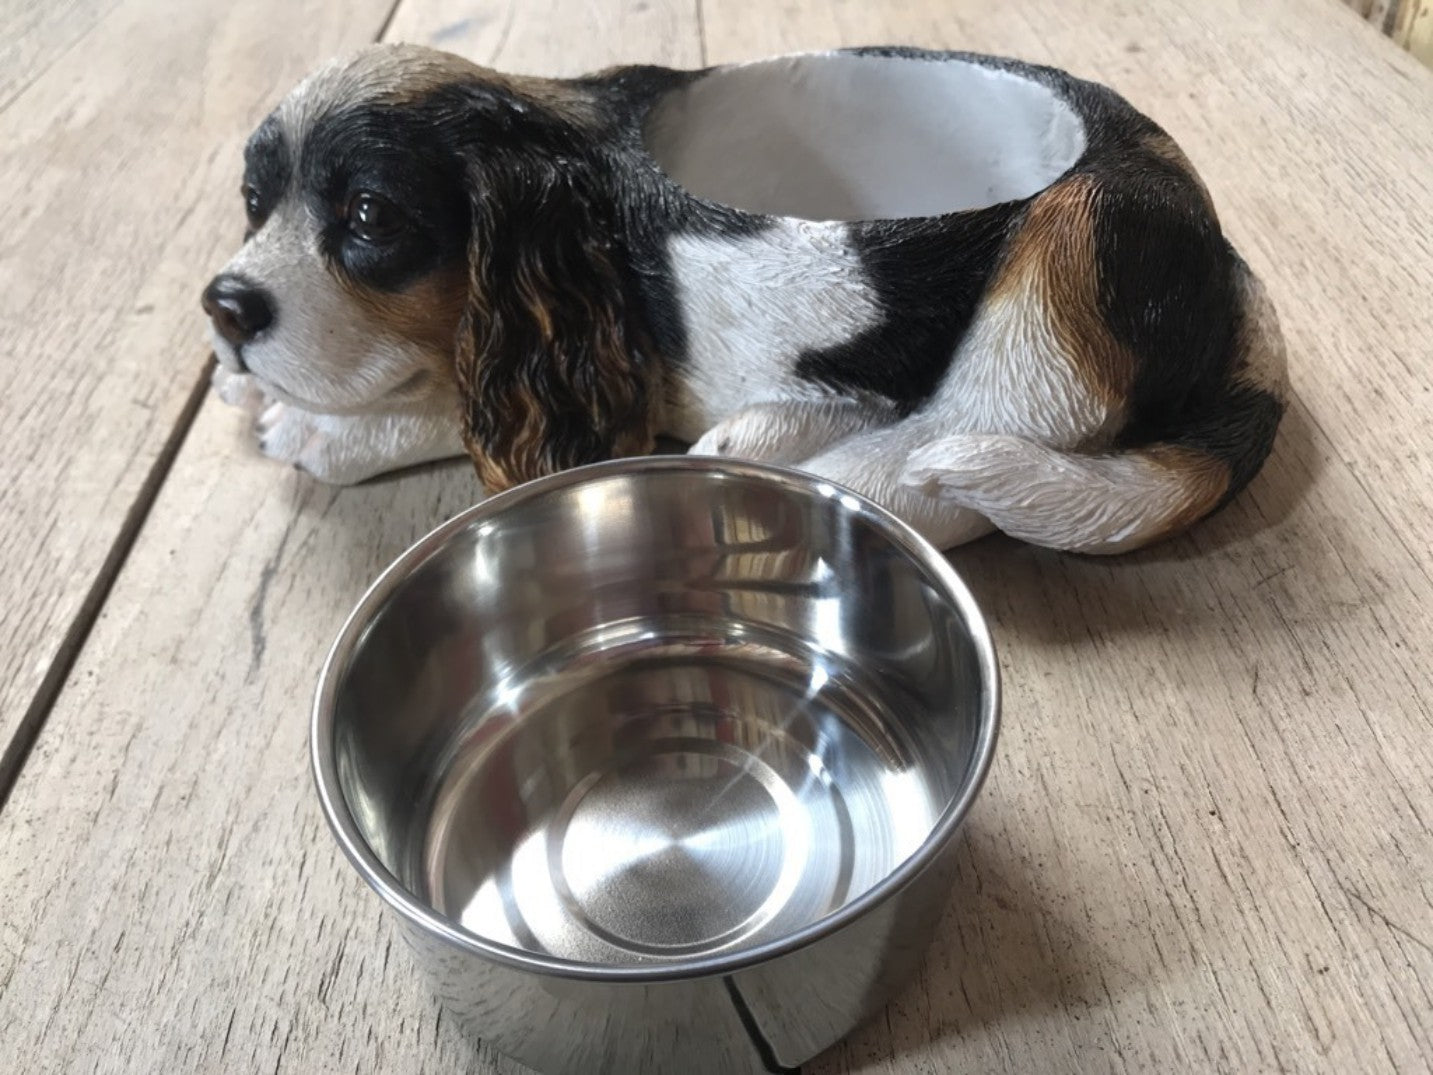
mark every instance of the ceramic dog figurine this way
{"type": "Point", "coordinates": [985, 294]}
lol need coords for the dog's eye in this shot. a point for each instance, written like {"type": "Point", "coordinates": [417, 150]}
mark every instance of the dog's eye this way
{"type": "Point", "coordinates": [374, 219]}
{"type": "Point", "coordinates": [253, 204]}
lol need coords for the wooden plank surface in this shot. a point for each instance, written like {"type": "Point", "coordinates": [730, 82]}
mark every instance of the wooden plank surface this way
{"type": "Point", "coordinates": [120, 130]}
{"type": "Point", "coordinates": [1206, 844]}
{"type": "Point", "coordinates": [35, 36]}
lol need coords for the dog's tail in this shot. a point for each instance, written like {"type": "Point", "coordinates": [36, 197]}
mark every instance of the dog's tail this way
{"type": "Point", "coordinates": [1126, 498]}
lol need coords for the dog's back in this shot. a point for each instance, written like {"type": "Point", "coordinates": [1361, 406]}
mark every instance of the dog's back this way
{"type": "Point", "coordinates": [1091, 368]}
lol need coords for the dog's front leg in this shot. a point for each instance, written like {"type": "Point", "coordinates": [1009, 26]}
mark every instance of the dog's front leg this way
{"type": "Point", "coordinates": [346, 449]}
{"type": "Point", "coordinates": [875, 464]}
{"type": "Point", "coordinates": [788, 431]}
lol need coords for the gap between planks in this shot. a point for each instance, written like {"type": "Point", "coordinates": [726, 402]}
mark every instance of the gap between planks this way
{"type": "Point", "coordinates": [57, 675]}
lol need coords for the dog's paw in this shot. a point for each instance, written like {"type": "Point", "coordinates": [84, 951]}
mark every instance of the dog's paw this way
{"type": "Point", "coordinates": [715, 441]}
{"type": "Point", "coordinates": [335, 449]}
{"type": "Point", "coordinates": [242, 390]}
{"type": "Point", "coordinates": [756, 434]}
{"type": "Point", "coordinates": [787, 431]}
{"type": "Point", "coordinates": [287, 434]}
{"type": "Point", "coordinates": [348, 449]}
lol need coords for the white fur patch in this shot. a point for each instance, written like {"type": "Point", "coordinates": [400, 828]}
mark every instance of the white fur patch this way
{"type": "Point", "coordinates": [344, 449]}
{"type": "Point", "coordinates": [1061, 500]}
{"type": "Point", "coordinates": [788, 431]}
{"type": "Point", "coordinates": [1011, 376]}
{"type": "Point", "coordinates": [751, 306]}
{"type": "Point", "coordinates": [873, 463]}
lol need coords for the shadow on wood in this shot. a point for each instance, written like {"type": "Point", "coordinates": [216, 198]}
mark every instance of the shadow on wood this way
{"type": "Point", "coordinates": [1003, 954]}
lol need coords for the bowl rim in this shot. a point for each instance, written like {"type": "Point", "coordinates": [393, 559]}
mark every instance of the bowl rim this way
{"type": "Point", "coordinates": [417, 913]}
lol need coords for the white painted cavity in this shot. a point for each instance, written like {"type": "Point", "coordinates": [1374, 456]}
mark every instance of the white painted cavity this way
{"type": "Point", "coordinates": [833, 136]}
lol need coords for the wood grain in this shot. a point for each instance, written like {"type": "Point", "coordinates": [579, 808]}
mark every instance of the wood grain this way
{"type": "Point", "coordinates": [34, 36]}
{"type": "Point", "coordinates": [1208, 839]}
{"type": "Point", "coordinates": [119, 150]}
{"type": "Point", "coordinates": [554, 37]}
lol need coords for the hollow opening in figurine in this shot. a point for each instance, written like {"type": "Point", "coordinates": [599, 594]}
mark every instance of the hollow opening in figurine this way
{"type": "Point", "coordinates": [847, 137]}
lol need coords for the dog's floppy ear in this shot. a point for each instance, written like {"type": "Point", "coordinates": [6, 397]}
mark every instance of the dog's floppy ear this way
{"type": "Point", "coordinates": [551, 361]}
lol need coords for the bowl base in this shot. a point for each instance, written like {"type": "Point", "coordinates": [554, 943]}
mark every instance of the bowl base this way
{"type": "Point", "coordinates": [670, 796]}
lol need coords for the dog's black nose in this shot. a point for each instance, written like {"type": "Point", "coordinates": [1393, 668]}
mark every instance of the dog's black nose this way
{"type": "Point", "coordinates": [239, 309]}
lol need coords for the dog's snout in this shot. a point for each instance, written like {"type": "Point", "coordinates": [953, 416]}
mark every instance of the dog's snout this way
{"type": "Point", "coordinates": [240, 310]}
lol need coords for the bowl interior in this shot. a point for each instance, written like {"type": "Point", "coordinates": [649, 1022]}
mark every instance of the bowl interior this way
{"type": "Point", "coordinates": [837, 136]}
{"type": "Point", "coordinates": [657, 713]}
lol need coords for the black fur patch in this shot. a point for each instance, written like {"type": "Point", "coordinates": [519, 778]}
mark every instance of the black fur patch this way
{"type": "Point", "coordinates": [398, 153]}
{"type": "Point", "coordinates": [268, 167]}
{"type": "Point", "coordinates": [1165, 286]}
{"type": "Point", "coordinates": [1168, 291]}
{"type": "Point", "coordinates": [1237, 428]}
{"type": "Point", "coordinates": [930, 276]}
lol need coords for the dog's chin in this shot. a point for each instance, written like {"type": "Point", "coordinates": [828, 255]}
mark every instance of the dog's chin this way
{"type": "Point", "coordinates": [389, 392]}
{"type": "Point", "coordinates": [277, 393]}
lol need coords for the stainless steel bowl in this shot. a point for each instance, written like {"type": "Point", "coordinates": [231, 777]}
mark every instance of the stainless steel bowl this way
{"type": "Point", "coordinates": [659, 762]}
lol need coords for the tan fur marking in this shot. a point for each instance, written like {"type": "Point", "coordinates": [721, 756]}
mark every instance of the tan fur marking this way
{"type": "Point", "coordinates": [554, 95]}
{"type": "Point", "coordinates": [427, 313]}
{"type": "Point", "coordinates": [1204, 478]}
{"type": "Point", "coordinates": [521, 453]}
{"type": "Point", "coordinates": [1055, 252]}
